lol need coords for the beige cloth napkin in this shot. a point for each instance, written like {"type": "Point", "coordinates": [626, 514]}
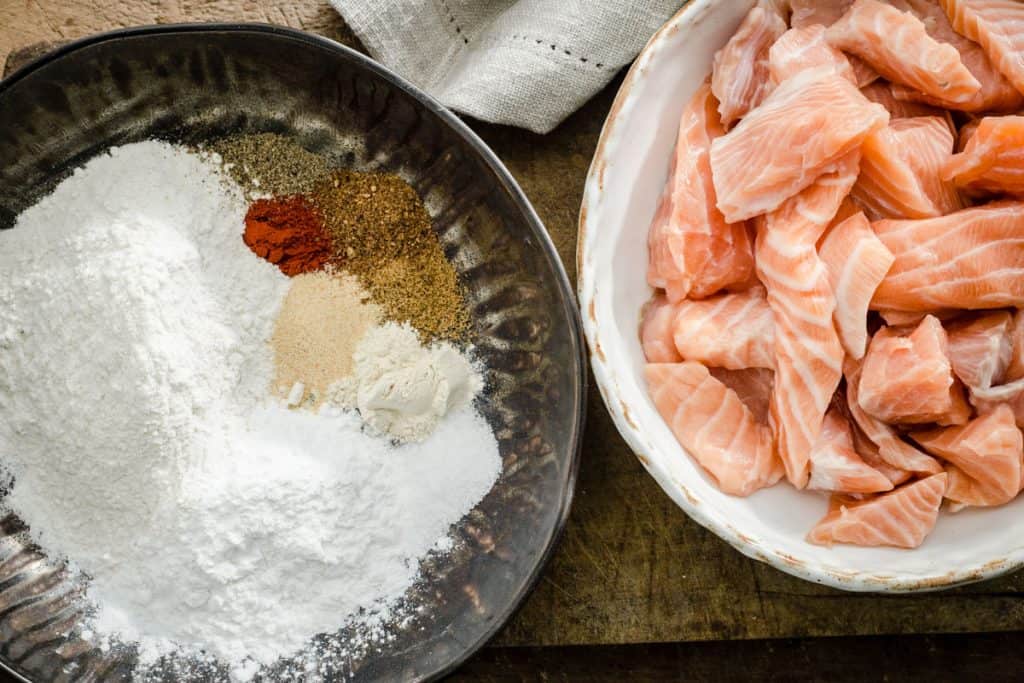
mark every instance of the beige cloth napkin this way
{"type": "Point", "coordinates": [527, 63]}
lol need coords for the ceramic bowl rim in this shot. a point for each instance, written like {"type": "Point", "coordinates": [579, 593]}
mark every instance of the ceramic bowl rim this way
{"type": "Point", "coordinates": [506, 182]}
{"type": "Point", "coordinates": [688, 500]}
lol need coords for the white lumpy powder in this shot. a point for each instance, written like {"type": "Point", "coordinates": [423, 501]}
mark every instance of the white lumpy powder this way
{"type": "Point", "coordinates": [136, 421]}
{"type": "Point", "coordinates": [403, 389]}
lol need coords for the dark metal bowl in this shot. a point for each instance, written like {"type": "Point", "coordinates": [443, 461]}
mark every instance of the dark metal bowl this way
{"type": "Point", "coordinates": [191, 83]}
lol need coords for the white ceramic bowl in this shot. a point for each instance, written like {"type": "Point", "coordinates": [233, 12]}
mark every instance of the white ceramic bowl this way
{"type": "Point", "coordinates": [625, 180]}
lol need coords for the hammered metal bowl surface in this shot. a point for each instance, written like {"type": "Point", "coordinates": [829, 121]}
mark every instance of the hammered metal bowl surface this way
{"type": "Point", "coordinates": [194, 83]}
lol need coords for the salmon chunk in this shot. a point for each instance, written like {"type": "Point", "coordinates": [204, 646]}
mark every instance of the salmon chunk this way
{"type": "Point", "coordinates": [881, 92]}
{"type": "Point", "coordinates": [817, 12]}
{"type": "Point", "coordinates": [823, 13]}
{"type": "Point", "coordinates": [996, 93]}
{"type": "Point", "coordinates": [740, 76]}
{"type": "Point", "coordinates": [869, 453]}
{"type": "Point", "coordinates": [800, 49]}
{"type": "Point", "coordinates": [752, 385]}
{"type": "Point", "coordinates": [808, 354]}
{"type": "Point", "coordinates": [802, 129]}
{"type": "Point", "coordinates": [836, 466]}
{"type": "Point", "coordinates": [891, 448]}
{"type": "Point", "coordinates": [998, 26]}
{"type": "Point", "coordinates": [980, 348]}
{"type": "Point", "coordinates": [714, 426]}
{"type": "Point", "coordinates": [656, 329]}
{"type": "Point", "coordinates": [908, 379]}
{"type": "Point", "coordinates": [732, 331]}
{"type": "Point", "coordinates": [899, 170]}
{"type": "Point", "coordinates": [993, 158]}
{"type": "Point", "coordinates": [914, 318]}
{"type": "Point", "coordinates": [857, 262]}
{"type": "Point", "coordinates": [1010, 395]}
{"type": "Point", "coordinates": [1015, 370]}
{"type": "Point", "coordinates": [901, 518]}
{"type": "Point", "coordinates": [970, 259]}
{"type": "Point", "coordinates": [693, 250]}
{"type": "Point", "coordinates": [865, 447]}
{"type": "Point", "coordinates": [987, 455]}
{"type": "Point", "coordinates": [897, 45]}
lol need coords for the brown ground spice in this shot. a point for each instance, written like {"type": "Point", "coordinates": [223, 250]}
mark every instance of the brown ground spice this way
{"type": "Point", "coordinates": [382, 234]}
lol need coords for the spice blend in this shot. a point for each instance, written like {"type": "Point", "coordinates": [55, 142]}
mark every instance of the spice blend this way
{"type": "Point", "coordinates": [289, 233]}
{"type": "Point", "coordinates": [383, 235]}
{"type": "Point", "coordinates": [322, 318]}
{"type": "Point", "coordinates": [266, 163]}
{"type": "Point", "coordinates": [372, 225]}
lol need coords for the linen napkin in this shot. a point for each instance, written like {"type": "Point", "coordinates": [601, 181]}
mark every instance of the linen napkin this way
{"type": "Point", "coordinates": [527, 63]}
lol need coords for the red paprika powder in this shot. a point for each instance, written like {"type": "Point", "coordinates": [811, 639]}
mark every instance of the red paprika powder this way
{"type": "Point", "coordinates": [288, 232]}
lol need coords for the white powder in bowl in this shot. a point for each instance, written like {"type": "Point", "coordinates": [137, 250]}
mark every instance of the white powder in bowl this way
{"type": "Point", "coordinates": [403, 389]}
{"type": "Point", "coordinates": [134, 375]}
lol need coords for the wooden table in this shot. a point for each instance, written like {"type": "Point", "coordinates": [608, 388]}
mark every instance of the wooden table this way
{"type": "Point", "coordinates": [631, 568]}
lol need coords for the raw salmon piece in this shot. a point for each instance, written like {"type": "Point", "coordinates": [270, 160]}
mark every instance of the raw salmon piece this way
{"type": "Point", "coordinates": [897, 45]}
{"type": "Point", "coordinates": [998, 26]}
{"type": "Point", "coordinates": [988, 454]}
{"type": "Point", "coordinates": [914, 318]}
{"type": "Point", "coordinates": [808, 354]}
{"type": "Point", "coordinates": [817, 12]}
{"type": "Point", "coordinates": [1010, 394]}
{"type": "Point", "coordinates": [835, 465]}
{"type": "Point", "coordinates": [656, 330]}
{"type": "Point", "coordinates": [971, 259]}
{"type": "Point", "coordinates": [856, 261]}
{"type": "Point", "coordinates": [714, 426]}
{"type": "Point", "coordinates": [693, 251]}
{"type": "Point", "coordinates": [739, 77]}
{"type": "Point", "coordinates": [752, 385]}
{"type": "Point", "coordinates": [901, 518]}
{"type": "Point", "coordinates": [864, 447]}
{"type": "Point", "coordinates": [996, 93]}
{"type": "Point", "coordinates": [881, 92]}
{"type": "Point", "coordinates": [806, 48]}
{"type": "Point", "coordinates": [869, 453]}
{"type": "Point", "coordinates": [863, 73]}
{"type": "Point", "coordinates": [899, 170]}
{"type": "Point", "coordinates": [824, 13]}
{"type": "Point", "coordinates": [847, 209]}
{"type": "Point", "coordinates": [993, 158]}
{"type": "Point", "coordinates": [733, 331]}
{"type": "Point", "coordinates": [980, 348]}
{"type": "Point", "coordinates": [802, 129]}
{"type": "Point", "coordinates": [891, 448]}
{"type": "Point", "coordinates": [1015, 370]}
{"type": "Point", "coordinates": [909, 379]}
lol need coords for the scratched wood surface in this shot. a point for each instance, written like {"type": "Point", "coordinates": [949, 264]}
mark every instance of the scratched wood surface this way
{"type": "Point", "coordinates": [631, 568]}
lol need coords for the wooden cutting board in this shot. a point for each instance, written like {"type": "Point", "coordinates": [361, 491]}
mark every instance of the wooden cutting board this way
{"type": "Point", "coordinates": [631, 568]}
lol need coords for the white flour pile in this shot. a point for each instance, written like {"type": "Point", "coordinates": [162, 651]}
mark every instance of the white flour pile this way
{"type": "Point", "coordinates": [135, 418]}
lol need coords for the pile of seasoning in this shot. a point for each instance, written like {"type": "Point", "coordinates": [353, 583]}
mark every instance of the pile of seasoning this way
{"type": "Point", "coordinates": [383, 235]}
{"type": "Point", "coordinates": [269, 164]}
{"type": "Point", "coordinates": [289, 233]}
{"type": "Point", "coordinates": [306, 217]}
